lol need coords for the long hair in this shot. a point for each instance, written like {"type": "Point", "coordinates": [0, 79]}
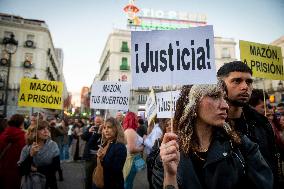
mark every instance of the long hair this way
{"type": "Point", "coordinates": [119, 134]}
{"type": "Point", "coordinates": [186, 113]}
{"type": "Point", "coordinates": [130, 121]}
{"type": "Point", "coordinates": [31, 132]}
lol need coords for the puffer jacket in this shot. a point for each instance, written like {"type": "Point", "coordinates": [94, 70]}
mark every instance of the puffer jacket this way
{"type": "Point", "coordinates": [227, 166]}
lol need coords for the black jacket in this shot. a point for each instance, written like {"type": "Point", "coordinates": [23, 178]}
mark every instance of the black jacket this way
{"type": "Point", "coordinates": [226, 167]}
{"type": "Point", "coordinates": [259, 130]}
{"type": "Point", "coordinates": [93, 140]}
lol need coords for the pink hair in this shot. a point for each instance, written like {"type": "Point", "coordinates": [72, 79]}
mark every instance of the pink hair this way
{"type": "Point", "coordinates": [130, 121]}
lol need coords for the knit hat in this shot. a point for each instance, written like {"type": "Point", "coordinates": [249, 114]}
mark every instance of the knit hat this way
{"type": "Point", "coordinates": [197, 92]}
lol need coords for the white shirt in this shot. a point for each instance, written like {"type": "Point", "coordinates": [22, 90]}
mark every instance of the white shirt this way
{"type": "Point", "coordinates": [150, 139]}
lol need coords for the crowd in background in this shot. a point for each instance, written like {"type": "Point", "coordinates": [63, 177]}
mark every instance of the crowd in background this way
{"type": "Point", "coordinates": [116, 148]}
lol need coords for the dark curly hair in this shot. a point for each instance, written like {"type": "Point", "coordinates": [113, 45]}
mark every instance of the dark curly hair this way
{"type": "Point", "coordinates": [235, 66]}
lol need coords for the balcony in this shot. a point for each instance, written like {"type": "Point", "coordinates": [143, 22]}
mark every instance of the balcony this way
{"type": "Point", "coordinates": [124, 64]}
{"type": "Point", "coordinates": [28, 64]}
{"type": "Point", "coordinates": [124, 47]}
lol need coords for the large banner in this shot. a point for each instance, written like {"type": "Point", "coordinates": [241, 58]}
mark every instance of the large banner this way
{"type": "Point", "coordinates": [41, 93]}
{"type": "Point", "coordinates": [164, 102]}
{"type": "Point", "coordinates": [150, 106]}
{"type": "Point", "coordinates": [264, 60]}
{"type": "Point", "coordinates": [173, 57]}
{"type": "Point", "coordinates": [110, 95]}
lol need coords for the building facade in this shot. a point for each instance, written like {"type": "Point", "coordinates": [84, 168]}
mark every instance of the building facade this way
{"type": "Point", "coordinates": [36, 57]}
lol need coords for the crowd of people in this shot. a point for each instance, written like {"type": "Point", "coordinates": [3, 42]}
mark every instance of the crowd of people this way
{"type": "Point", "coordinates": [225, 135]}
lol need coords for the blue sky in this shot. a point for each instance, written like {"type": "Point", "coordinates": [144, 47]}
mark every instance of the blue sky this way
{"type": "Point", "coordinates": [81, 28]}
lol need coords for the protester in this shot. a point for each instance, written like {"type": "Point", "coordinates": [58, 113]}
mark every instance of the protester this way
{"type": "Point", "coordinates": [92, 136]}
{"type": "Point", "coordinates": [78, 145]}
{"type": "Point", "coordinates": [112, 155]}
{"type": "Point", "coordinates": [212, 154]}
{"type": "Point", "coordinates": [141, 130]}
{"type": "Point", "coordinates": [3, 124]}
{"type": "Point", "coordinates": [64, 147]}
{"type": "Point", "coordinates": [119, 117]}
{"type": "Point", "coordinates": [154, 154]}
{"type": "Point", "coordinates": [257, 100]}
{"type": "Point", "coordinates": [134, 148]}
{"type": "Point", "coordinates": [280, 108]}
{"type": "Point", "coordinates": [40, 155]}
{"type": "Point", "coordinates": [155, 133]}
{"type": "Point", "coordinates": [278, 123]}
{"type": "Point", "coordinates": [237, 78]}
{"type": "Point", "coordinates": [56, 134]}
{"type": "Point", "coordinates": [12, 140]}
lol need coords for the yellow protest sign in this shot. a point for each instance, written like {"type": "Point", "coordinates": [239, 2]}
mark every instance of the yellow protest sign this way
{"type": "Point", "coordinates": [41, 93]}
{"type": "Point", "coordinates": [264, 60]}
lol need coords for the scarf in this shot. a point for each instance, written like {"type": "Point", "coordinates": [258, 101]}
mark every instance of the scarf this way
{"type": "Point", "coordinates": [44, 156]}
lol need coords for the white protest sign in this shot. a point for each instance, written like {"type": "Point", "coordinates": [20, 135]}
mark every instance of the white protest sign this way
{"type": "Point", "coordinates": [110, 95]}
{"type": "Point", "coordinates": [150, 106]}
{"type": "Point", "coordinates": [175, 57]}
{"type": "Point", "coordinates": [164, 103]}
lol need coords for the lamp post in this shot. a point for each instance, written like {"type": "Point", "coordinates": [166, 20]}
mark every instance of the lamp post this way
{"type": "Point", "coordinates": [11, 46]}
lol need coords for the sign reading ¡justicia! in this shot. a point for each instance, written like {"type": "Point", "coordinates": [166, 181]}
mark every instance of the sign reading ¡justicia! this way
{"type": "Point", "coordinates": [173, 57]}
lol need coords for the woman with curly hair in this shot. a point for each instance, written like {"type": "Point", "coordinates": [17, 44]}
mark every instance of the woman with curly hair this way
{"type": "Point", "coordinates": [206, 152]}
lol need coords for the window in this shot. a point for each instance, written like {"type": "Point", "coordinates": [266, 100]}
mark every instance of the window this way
{"type": "Point", "coordinates": [27, 75]}
{"type": "Point", "coordinates": [7, 34]}
{"type": "Point", "coordinates": [30, 41]}
{"type": "Point", "coordinates": [29, 57]}
{"type": "Point", "coordinates": [124, 64]}
{"type": "Point", "coordinates": [226, 53]}
{"type": "Point", "coordinates": [124, 47]}
{"type": "Point", "coordinates": [28, 60]}
{"type": "Point", "coordinates": [30, 37]}
{"type": "Point", "coordinates": [142, 99]}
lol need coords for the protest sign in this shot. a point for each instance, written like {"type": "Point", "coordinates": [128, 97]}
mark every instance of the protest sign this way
{"type": "Point", "coordinates": [164, 103]}
{"type": "Point", "coordinates": [264, 60]}
{"type": "Point", "coordinates": [150, 106]}
{"type": "Point", "coordinates": [176, 57]}
{"type": "Point", "coordinates": [110, 95]}
{"type": "Point", "coordinates": [41, 93]}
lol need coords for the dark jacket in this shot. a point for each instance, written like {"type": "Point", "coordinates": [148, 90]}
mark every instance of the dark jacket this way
{"type": "Point", "coordinates": [93, 140]}
{"type": "Point", "coordinates": [259, 130]}
{"type": "Point", "coordinates": [9, 172]}
{"type": "Point", "coordinates": [226, 166]}
{"type": "Point", "coordinates": [113, 163]}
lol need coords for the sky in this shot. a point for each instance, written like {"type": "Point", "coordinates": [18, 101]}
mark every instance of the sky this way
{"type": "Point", "coordinates": [81, 27]}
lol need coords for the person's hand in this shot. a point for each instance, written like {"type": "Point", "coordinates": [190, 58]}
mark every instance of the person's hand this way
{"type": "Point", "coordinates": [33, 168]}
{"type": "Point", "coordinates": [92, 129]}
{"type": "Point", "coordinates": [34, 149]}
{"type": "Point", "coordinates": [169, 152]}
{"type": "Point", "coordinates": [101, 153]}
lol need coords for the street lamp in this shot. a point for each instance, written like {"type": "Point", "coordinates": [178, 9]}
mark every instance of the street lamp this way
{"type": "Point", "coordinates": [11, 46]}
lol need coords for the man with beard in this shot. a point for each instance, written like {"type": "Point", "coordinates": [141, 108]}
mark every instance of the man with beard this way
{"type": "Point", "coordinates": [237, 78]}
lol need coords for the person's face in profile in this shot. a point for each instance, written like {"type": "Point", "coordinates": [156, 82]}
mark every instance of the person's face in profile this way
{"type": "Point", "coordinates": [212, 110]}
